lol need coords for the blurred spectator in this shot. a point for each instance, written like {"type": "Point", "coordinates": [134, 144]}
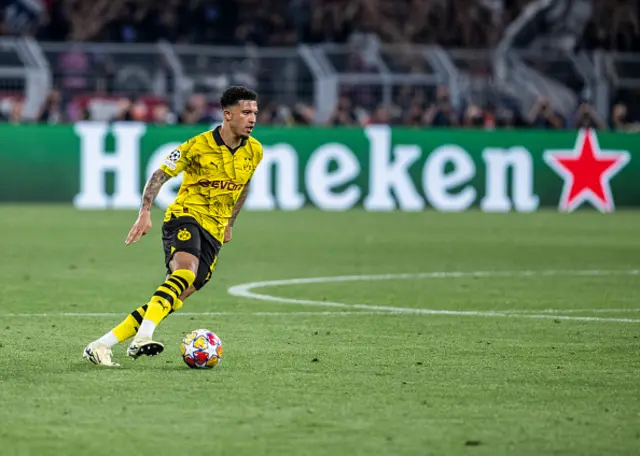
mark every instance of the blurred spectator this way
{"type": "Point", "coordinates": [302, 114]}
{"type": "Point", "coordinates": [381, 116]}
{"type": "Point", "coordinates": [124, 113]}
{"type": "Point", "coordinates": [344, 113]}
{"type": "Point", "coordinates": [620, 120]}
{"type": "Point", "coordinates": [268, 114]}
{"type": "Point", "coordinates": [415, 115]}
{"type": "Point", "coordinates": [162, 115]}
{"type": "Point", "coordinates": [506, 118]}
{"type": "Point", "coordinates": [586, 117]}
{"type": "Point", "coordinates": [476, 117]}
{"type": "Point", "coordinates": [51, 111]}
{"type": "Point", "coordinates": [542, 115]}
{"type": "Point", "coordinates": [16, 112]}
{"type": "Point", "coordinates": [196, 111]}
{"type": "Point", "coordinates": [441, 113]}
{"type": "Point", "coordinates": [139, 111]}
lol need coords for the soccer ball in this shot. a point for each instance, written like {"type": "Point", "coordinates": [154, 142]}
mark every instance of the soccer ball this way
{"type": "Point", "coordinates": [201, 349]}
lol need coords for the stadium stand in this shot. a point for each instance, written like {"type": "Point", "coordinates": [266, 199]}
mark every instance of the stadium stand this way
{"type": "Point", "coordinates": [474, 63]}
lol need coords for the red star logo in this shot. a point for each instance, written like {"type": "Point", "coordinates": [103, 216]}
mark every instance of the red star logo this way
{"type": "Point", "coordinates": [586, 171]}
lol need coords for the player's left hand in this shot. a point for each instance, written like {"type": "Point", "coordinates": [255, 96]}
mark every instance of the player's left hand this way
{"type": "Point", "coordinates": [227, 234]}
{"type": "Point", "coordinates": [140, 228]}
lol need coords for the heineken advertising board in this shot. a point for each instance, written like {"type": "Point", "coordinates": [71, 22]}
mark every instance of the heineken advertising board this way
{"type": "Point", "coordinates": [99, 165]}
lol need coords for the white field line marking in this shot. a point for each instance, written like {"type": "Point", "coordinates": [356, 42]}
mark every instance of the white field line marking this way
{"type": "Point", "coordinates": [562, 311]}
{"type": "Point", "coordinates": [245, 291]}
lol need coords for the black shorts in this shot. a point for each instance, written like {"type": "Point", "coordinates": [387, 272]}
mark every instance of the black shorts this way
{"type": "Point", "coordinates": [184, 234]}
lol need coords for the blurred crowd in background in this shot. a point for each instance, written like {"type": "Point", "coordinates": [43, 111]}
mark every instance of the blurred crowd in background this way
{"type": "Point", "coordinates": [450, 23]}
{"type": "Point", "coordinates": [615, 25]}
{"type": "Point", "coordinates": [415, 111]}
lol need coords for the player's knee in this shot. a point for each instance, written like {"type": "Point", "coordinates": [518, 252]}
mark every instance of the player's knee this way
{"type": "Point", "coordinates": [184, 260]}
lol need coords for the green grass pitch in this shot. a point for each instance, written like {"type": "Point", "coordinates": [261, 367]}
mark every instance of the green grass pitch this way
{"type": "Point", "coordinates": [540, 363]}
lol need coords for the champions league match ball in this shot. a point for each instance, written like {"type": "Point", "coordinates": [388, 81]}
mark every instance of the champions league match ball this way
{"type": "Point", "coordinates": [201, 349]}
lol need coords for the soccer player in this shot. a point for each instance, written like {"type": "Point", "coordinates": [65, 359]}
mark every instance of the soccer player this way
{"type": "Point", "coordinates": [217, 167]}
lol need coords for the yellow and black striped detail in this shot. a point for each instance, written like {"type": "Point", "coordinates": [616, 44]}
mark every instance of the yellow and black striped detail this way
{"type": "Point", "coordinates": [211, 268]}
{"type": "Point", "coordinates": [138, 314]}
{"type": "Point", "coordinates": [170, 291]}
{"type": "Point", "coordinates": [171, 287]}
{"type": "Point", "coordinates": [180, 282]}
{"type": "Point", "coordinates": [164, 299]}
{"type": "Point", "coordinates": [130, 325]}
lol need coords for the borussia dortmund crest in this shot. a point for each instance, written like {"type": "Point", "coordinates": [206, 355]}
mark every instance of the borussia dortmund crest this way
{"type": "Point", "coordinates": [184, 235]}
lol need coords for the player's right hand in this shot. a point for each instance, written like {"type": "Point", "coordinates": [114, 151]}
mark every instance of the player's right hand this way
{"type": "Point", "coordinates": [140, 228]}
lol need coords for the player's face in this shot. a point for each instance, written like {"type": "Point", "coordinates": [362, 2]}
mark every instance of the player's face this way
{"type": "Point", "coordinates": [242, 117]}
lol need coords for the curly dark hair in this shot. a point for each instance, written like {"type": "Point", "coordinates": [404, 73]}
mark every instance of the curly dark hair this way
{"type": "Point", "coordinates": [234, 94]}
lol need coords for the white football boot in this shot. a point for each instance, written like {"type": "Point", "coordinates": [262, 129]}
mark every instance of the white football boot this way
{"type": "Point", "coordinates": [99, 354]}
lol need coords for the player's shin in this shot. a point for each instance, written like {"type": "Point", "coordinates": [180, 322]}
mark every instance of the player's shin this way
{"type": "Point", "coordinates": [126, 329]}
{"type": "Point", "coordinates": [165, 300]}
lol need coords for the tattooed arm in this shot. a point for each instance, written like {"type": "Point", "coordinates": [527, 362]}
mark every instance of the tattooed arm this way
{"type": "Point", "coordinates": [236, 211]}
{"type": "Point", "coordinates": [151, 189]}
{"type": "Point", "coordinates": [239, 204]}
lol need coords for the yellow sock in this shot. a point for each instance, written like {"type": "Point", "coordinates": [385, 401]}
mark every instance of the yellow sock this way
{"type": "Point", "coordinates": [130, 325]}
{"type": "Point", "coordinates": [166, 299]}
{"type": "Point", "coordinates": [177, 304]}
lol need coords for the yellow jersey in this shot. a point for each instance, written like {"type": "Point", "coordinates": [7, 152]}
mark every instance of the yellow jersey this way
{"type": "Point", "coordinates": [214, 177]}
